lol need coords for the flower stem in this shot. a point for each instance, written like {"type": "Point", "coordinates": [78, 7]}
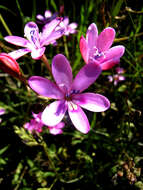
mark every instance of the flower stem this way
{"type": "Point", "coordinates": [5, 25]}
{"type": "Point", "coordinates": [45, 60]}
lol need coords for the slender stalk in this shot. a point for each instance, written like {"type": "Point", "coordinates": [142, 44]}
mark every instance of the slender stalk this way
{"type": "Point", "coordinates": [5, 25]}
{"type": "Point", "coordinates": [66, 47]}
{"type": "Point", "coordinates": [45, 60]}
{"type": "Point", "coordinates": [128, 37]}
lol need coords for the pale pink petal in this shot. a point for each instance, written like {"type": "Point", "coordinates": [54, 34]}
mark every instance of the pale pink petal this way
{"type": "Point", "coordinates": [54, 113]}
{"type": "Point", "coordinates": [37, 53]}
{"type": "Point", "coordinates": [65, 21]}
{"type": "Point", "coordinates": [86, 76]}
{"type": "Point", "coordinates": [19, 53]}
{"type": "Point", "coordinates": [57, 129]}
{"type": "Point", "coordinates": [52, 37]}
{"type": "Point", "coordinates": [47, 14]}
{"type": "Point", "coordinates": [73, 26]}
{"type": "Point", "coordinates": [84, 49]}
{"type": "Point", "coordinates": [16, 40]}
{"type": "Point", "coordinates": [49, 27]}
{"type": "Point", "coordinates": [62, 72]}
{"type": "Point", "coordinates": [40, 17]}
{"type": "Point", "coordinates": [31, 32]}
{"type": "Point", "coordinates": [45, 87]}
{"type": "Point", "coordinates": [2, 111]}
{"type": "Point", "coordinates": [92, 102]}
{"type": "Point", "coordinates": [92, 35]}
{"type": "Point", "coordinates": [105, 39]}
{"type": "Point", "coordinates": [78, 118]}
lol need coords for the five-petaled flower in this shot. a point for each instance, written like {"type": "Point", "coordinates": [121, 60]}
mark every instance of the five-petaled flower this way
{"type": "Point", "coordinates": [97, 48]}
{"type": "Point", "coordinates": [35, 42]}
{"type": "Point", "coordinates": [68, 93]}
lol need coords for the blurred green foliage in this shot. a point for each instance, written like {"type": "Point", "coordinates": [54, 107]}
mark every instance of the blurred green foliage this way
{"type": "Point", "coordinates": [110, 156]}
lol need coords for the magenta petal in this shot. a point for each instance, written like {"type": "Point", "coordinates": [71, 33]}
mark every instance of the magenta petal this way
{"type": "Point", "coordinates": [109, 64]}
{"type": "Point", "coordinates": [62, 72]}
{"type": "Point", "coordinates": [105, 39]}
{"type": "Point", "coordinates": [86, 76]}
{"type": "Point", "coordinates": [92, 35]}
{"type": "Point", "coordinates": [16, 40]}
{"type": "Point", "coordinates": [78, 118]}
{"type": "Point", "coordinates": [54, 113]}
{"type": "Point", "coordinates": [37, 53]}
{"type": "Point", "coordinates": [19, 53]}
{"type": "Point", "coordinates": [45, 87]}
{"type": "Point", "coordinates": [92, 102]}
{"type": "Point", "coordinates": [114, 52]}
{"type": "Point", "coordinates": [84, 49]}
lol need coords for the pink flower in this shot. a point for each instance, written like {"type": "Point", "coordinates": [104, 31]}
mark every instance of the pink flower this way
{"type": "Point", "coordinates": [117, 77]}
{"type": "Point", "coordinates": [35, 124]}
{"type": "Point", "coordinates": [68, 93]}
{"type": "Point", "coordinates": [68, 28]}
{"type": "Point", "coordinates": [35, 42]}
{"type": "Point", "coordinates": [97, 48]}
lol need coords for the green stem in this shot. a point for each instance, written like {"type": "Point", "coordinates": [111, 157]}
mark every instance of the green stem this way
{"type": "Point", "coordinates": [66, 47]}
{"type": "Point", "coordinates": [5, 25]}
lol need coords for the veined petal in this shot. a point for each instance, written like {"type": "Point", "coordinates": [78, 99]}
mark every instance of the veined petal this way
{"type": "Point", "coordinates": [84, 49]}
{"type": "Point", "coordinates": [31, 31]}
{"type": "Point", "coordinates": [92, 102]}
{"type": "Point", "coordinates": [54, 113]}
{"type": "Point", "coordinates": [62, 72]}
{"type": "Point", "coordinates": [45, 87]}
{"type": "Point", "coordinates": [46, 40]}
{"type": "Point", "coordinates": [16, 40]}
{"type": "Point", "coordinates": [37, 53]}
{"type": "Point", "coordinates": [49, 27]}
{"type": "Point", "coordinates": [105, 39]}
{"type": "Point", "coordinates": [78, 118]}
{"type": "Point", "coordinates": [18, 53]}
{"type": "Point", "coordinates": [86, 76]}
{"type": "Point", "coordinates": [92, 35]}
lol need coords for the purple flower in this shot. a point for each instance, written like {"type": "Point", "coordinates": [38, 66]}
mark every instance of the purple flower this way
{"type": "Point", "coordinates": [117, 77]}
{"type": "Point", "coordinates": [48, 17]}
{"type": "Point", "coordinates": [68, 28]}
{"type": "Point", "coordinates": [35, 42]}
{"type": "Point", "coordinates": [68, 93]}
{"type": "Point", "coordinates": [97, 48]}
{"type": "Point", "coordinates": [35, 124]}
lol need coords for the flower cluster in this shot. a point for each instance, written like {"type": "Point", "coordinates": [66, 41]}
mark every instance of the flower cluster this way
{"type": "Point", "coordinates": [67, 92]}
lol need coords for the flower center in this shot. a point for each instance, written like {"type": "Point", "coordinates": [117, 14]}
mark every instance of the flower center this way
{"type": "Point", "coordinates": [68, 96]}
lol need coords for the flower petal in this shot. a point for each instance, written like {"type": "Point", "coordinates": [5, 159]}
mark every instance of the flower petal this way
{"type": "Point", "coordinates": [46, 40]}
{"type": "Point", "coordinates": [57, 129]}
{"type": "Point", "coordinates": [45, 87]}
{"type": "Point", "coordinates": [16, 40]}
{"type": "Point", "coordinates": [37, 53]}
{"type": "Point", "coordinates": [54, 113]}
{"type": "Point", "coordinates": [31, 31]}
{"type": "Point", "coordinates": [19, 53]}
{"type": "Point", "coordinates": [86, 76]}
{"type": "Point", "coordinates": [92, 35]}
{"type": "Point", "coordinates": [84, 49]}
{"type": "Point", "coordinates": [78, 118]}
{"type": "Point", "coordinates": [62, 72]}
{"type": "Point", "coordinates": [50, 27]}
{"type": "Point", "coordinates": [92, 102]}
{"type": "Point", "coordinates": [105, 39]}
{"type": "Point", "coordinates": [109, 64]}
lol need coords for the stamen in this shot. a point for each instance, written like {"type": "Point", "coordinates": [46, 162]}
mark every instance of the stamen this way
{"type": "Point", "coordinates": [72, 106]}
